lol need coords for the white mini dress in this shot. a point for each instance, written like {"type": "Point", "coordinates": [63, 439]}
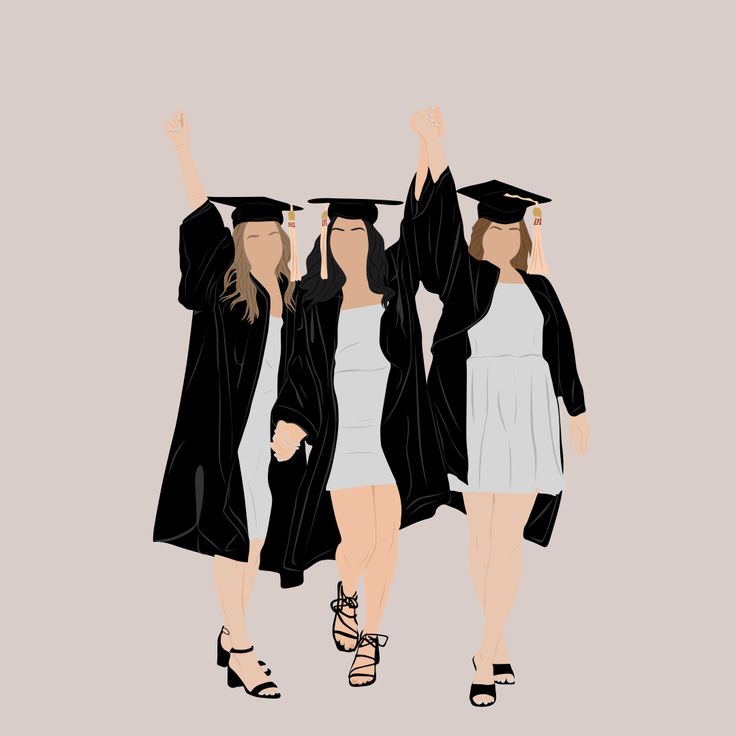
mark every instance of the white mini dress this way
{"type": "Point", "coordinates": [512, 413]}
{"type": "Point", "coordinates": [361, 374]}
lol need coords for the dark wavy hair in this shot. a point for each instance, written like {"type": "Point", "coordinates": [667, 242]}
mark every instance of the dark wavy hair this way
{"type": "Point", "coordinates": [317, 289]}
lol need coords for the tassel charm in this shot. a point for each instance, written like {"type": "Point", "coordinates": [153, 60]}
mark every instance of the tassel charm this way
{"type": "Point", "coordinates": [537, 262]}
{"type": "Point", "coordinates": [323, 245]}
{"type": "Point", "coordinates": [294, 274]}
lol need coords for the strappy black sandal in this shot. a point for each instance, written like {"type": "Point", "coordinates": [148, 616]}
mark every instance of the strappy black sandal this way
{"type": "Point", "coordinates": [481, 688]}
{"type": "Point", "coordinates": [377, 640]}
{"type": "Point", "coordinates": [339, 623]}
{"type": "Point", "coordinates": [223, 655]}
{"type": "Point", "coordinates": [233, 680]}
{"type": "Point", "coordinates": [503, 669]}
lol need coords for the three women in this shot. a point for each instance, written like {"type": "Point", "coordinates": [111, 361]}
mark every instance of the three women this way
{"type": "Point", "coordinates": [387, 445]}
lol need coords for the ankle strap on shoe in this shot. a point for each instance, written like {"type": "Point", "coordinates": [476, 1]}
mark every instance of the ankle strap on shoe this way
{"type": "Point", "coordinates": [242, 651]}
{"type": "Point", "coordinates": [378, 640]}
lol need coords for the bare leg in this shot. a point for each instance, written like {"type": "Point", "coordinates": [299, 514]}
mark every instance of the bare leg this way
{"type": "Point", "coordinates": [230, 576]}
{"type": "Point", "coordinates": [510, 512]}
{"type": "Point", "coordinates": [355, 515]}
{"type": "Point", "coordinates": [379, 572]}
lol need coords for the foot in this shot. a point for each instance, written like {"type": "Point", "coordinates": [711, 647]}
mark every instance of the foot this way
{"type": "Point", "coordinates": [367, 656]}
{"type": "Point", "coordinates": [226, 644]}
{"type": "Point", "coordinates": [246, 667]}
{"type": "Point", "coordinates": [503, 678]}
{"type": "Point", "coordinates": [483, 676]}
{"type": "Point", "coordinates": [345, 624]}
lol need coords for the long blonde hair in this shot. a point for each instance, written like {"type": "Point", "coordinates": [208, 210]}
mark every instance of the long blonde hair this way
{"type": "Point", "coordinates": [520, 260]}
{"type": "Point", "coordinates": [238, 285]}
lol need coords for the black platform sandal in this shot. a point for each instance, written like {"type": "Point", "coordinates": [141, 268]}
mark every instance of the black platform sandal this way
{"type": "Point", "coordinates": [233, 680]}
{"type": "Point", "coordinates": [481, 688]}
{"type": "Point", "coordinates": [339, 623]}
{"type": "Point", "coordinates": [378, 640]}
{"type": "Point", "coordinates": [503, 669]}
{"type": "Point", "coordinates": [223, 655]}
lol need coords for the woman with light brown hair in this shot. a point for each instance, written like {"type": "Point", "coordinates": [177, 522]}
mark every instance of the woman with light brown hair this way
{"type": "Point", "coordinates": [215, 497]}
{"type": "Point", "coordinates": [502, 355]}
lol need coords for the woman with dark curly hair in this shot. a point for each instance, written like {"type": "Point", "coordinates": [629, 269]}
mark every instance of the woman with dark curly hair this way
{"type": "Point", "coordinates": [357, 393]}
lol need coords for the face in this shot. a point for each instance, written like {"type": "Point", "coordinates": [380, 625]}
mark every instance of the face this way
{"type": "Point", "coordinates": [349, 244]}
{"type": "Point", "coordinates": [263, 245]}
{"type": "Point", "coordinates": [501, 242]}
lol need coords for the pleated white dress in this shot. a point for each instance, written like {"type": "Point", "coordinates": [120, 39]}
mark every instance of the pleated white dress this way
{"type": "Point", "coordinates": [361, 374]}
{"type": "Point", "coordinates": [512, 419]}
{"type": "Point", "coordinates": [254, 451]}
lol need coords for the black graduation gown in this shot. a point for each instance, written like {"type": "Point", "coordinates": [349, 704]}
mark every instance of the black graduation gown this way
{"type": "Point", "coordinates": [201, 505]}
{"type": "Point", "coordinates": [408, 435]}
{"type": "Point", "coordinates": [466, 286]}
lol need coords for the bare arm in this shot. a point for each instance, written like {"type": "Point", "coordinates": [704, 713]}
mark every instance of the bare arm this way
{"type": "Point", "coordinates": [177, 131]}
{"type": "Point", "coordinates": [429, 127]}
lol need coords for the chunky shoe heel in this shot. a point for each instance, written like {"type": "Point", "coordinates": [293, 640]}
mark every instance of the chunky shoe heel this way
{"type": "Point", "coordinates": [233, 680]}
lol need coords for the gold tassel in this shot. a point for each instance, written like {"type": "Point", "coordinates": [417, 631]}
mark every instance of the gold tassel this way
{"type": "Point", "coordinates": [537, 262]}
{"type": "Point", "coordinates": [323, 245]}
{"type": "Point", "coordinates": [294, 274]}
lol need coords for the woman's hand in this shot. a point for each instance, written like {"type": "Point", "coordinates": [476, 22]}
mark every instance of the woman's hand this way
{"type": "Point", "coordinates": [286, 440]}
{"type": "Point", "coordinates": [428, 123]}
{"type": "Point", "coordinates": [579, 433]}
{"type": "Point", "coordinates": [177, 129]}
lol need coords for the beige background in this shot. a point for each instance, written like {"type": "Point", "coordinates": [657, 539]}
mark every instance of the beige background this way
{"type": "Point", "coordinates": [621, 112]}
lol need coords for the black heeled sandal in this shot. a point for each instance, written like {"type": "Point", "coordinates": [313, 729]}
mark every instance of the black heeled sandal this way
{"type": "Point", "coordinates": [233, 680]}
{"type": "Point", "coordinates": [378, 640]}
{"type": "Point", "coordinates": [223, 655]}
{"type": "Point", "coordinates": [503, 669]}
{"type": "Point", "coordinates": [481, 688]}
{"type": "Point", "coordinates": [338, 606]}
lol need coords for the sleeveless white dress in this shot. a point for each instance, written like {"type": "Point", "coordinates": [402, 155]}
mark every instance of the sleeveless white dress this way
{"type": "Point", "coordinates": [361, 374]}
{"type": "Point", "coordinates": [254, 451]}
{"type": "Point", "coordinates": [512, 420]}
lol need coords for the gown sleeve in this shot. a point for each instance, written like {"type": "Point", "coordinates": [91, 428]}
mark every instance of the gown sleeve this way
{"type": "Point", "coordinates": [570, 388]}
{"type": "Point", "coordinates": [206, 251]}
{"type": "Point", "coordinates": [297, 401]}
{"type": "Point", "coordinates": [432, 231]}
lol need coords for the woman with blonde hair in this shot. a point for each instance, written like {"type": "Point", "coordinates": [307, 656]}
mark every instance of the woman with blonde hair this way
{"type": "Point", "coordinates": [502, 354]}
{"type": "Point", "coordinates": [215, 497]}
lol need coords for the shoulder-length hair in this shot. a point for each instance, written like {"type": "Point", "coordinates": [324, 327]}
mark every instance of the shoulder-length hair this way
{"type": "Point", "coordinates": [238, 286]}
{"type": "Point", "coordinates": [475, 248]}
{"type": "Point", "coordinates": [316, 289]}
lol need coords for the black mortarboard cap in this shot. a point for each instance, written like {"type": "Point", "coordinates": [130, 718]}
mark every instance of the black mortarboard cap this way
{"type": "Point", "coordinates": [353, 209]}
{"type": "Point", "coordinates": [501, 202]}
{"type": "Point", "coordinates": [249, 209]}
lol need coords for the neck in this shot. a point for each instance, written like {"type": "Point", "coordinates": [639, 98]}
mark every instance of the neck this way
{"type": "Point", "coordinates": [266, 276]}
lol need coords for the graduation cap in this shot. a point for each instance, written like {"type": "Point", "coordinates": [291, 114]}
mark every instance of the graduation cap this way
{"type": "Point", "coordinates": [350, 208]}
{"type": "Point", "coordinates": [259, 209]}
{"type": "Point", "coordinates": [504, 203]}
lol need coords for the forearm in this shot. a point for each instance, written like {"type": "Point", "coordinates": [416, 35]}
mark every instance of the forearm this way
{"type": "Point", "coordinates": [422, 168]}
{"type": "Point", "coordinates": [436, 157]}
{"type": "Point", "coordinates": [193, 186]}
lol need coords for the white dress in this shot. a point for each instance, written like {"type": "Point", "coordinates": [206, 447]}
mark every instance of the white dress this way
{"type": "Point", "coordinates": [512, 419]}
{"type": "Point", "coordinates": [254, 451]}
{"type": "Point", "coordinates": [361, 374]}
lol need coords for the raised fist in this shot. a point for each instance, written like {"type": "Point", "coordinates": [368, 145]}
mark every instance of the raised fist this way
{"type": "Point", "coordinates": [428, 123]}
{"type": "Point", "coordinates": [177, 129]}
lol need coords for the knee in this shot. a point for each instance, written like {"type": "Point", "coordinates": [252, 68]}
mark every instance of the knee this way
{"type": "Point", "coordinates": [386, 540]}
{"type": "Point", "coordinates": [357, 551]}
